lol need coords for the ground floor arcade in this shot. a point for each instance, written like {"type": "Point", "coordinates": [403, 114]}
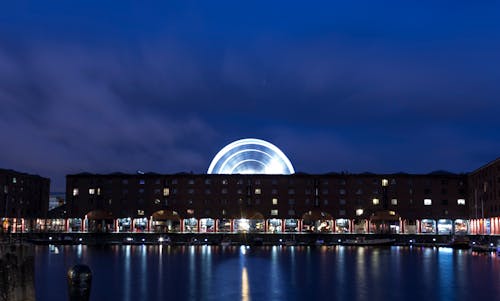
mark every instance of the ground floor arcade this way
{"type": "Point", "coordinates": [172, 223]}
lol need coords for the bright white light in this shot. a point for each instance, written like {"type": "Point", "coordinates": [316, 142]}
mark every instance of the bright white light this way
{"type": "Point", "coordinates": [250, 156]}
{"type": "Point", "coordinates": [243, 225]}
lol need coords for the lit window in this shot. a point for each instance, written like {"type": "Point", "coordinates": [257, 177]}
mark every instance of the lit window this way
{"type": "Point", "coordinates": [14, 180]}
{"type": "Point", "coordinates": [98, 191]}
{"type": "Point", "coordinates": [385, 182]}
{"type": "Point", "coordinates": [75, 191]}
{"type": "Point", "coordinates": [376, 201]}
{"type": "Point", "coordinates": [91, 191]}
{"type": "Point", "coordinates": [157, 201]}
{"type": "Point", "coordinates": [274, 212]}
{"type": "Point", "coordinates": [190, 211]}
{"type": "Point", "coordinates": [166, 191]}
{"type": "Point", "coordinates": [224, 182]}
{"type": "Point", "coordinates": [392, 212]}
{"type": "Point", "coordinates": [275, 201]}
{"type": "Point", "coordinates": [461, 201]}
{"type": "Point", "coordinates": [257, 191]}
{"type": "Point", "coordinates": [394, 202]}
{"type": "Point", "coordinates": [257, 182]}
{"type": "Point", "coordinates": [359, 212]}
{"type": "Point", "coordinates": [325, 202]}
{"type": "Point", "coordinates": [140, 212]}
{"type": "Point", "coordinates": [427, 202]}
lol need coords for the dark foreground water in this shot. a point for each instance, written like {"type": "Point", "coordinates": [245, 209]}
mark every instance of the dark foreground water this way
{"type": "Point", "coordinates": [271, 273]}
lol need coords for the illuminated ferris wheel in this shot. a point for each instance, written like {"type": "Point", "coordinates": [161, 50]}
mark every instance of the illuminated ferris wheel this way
{"type": "Point", "coordinates": [250, 156]}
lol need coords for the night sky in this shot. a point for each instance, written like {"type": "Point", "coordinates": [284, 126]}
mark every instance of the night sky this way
{"type": "Point", "coordinates": [379, 86]}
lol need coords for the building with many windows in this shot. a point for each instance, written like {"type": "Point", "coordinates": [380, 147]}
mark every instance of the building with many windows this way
{"type": "Point", "coordinates": [336, 202]}
{"type": "Point", "coordinates": [24, 198]}
{"type": "Point", "coordinates": [484, 196]}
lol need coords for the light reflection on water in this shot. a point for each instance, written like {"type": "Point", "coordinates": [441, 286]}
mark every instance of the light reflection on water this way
{"type": "Point", "coordinates": [270, 273]}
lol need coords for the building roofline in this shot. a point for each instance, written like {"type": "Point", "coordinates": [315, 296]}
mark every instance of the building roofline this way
{"type": "Point", "coordinates": [485, 166]}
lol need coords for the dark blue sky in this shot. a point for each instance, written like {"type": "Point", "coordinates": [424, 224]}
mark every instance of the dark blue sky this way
{"type": "Point", "coordinates": [380, 86]}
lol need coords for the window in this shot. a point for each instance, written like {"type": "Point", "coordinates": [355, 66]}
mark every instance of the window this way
{"type": "Point", "coordinates": [124, 181]}
{"type": "Point", "coordinates": [166, 191]}
{"type": "Point", "coordinates": [274, 211]}
{"type": "Point", "coordinates": [275, 201]}
{"type": "Point", "coordinates": [157, 201]}
{"type": "Point", "coordinates": [427, 202]}
{"type": "Point", "coordinates": [207, 191]}
{"type": "Point", "coordinates": [224, 182]}
{"type": "Point", "coordinates": [359, 212]}
{"type": "Point", "coordinates": [258, 191]}
{"type": "Point", "coordinates": [257, 182]}
{"type": "Point", "coordinates": [190, 191]}
{"type": "Point", "coordinates": [174, 181]}
{"type": "Point", "coordinates": [14, 180]}
{"type": "Point", "coordinates": [157, 191]}
{"type": "Point", "coordinates": [342, 191]}
{"type": "Point", "coordinates": [291, 191]}
{"type": "Point", "coordinates": [461, 202]}
{"type": "Point", "coordinates": [191, 182]}
{"type": "Point", "coordinates": [308, 191]}
{"type": "Point", "coordinates": [392, 212]}
{"type": "Point", "coordinates": [291, 212]}
{"type": "Point", "coordinates": [141, 190]}
{"type": "Point", "coordinates": [444, 202]}
{"type": "Point", "coordinates": [140, 212]}
{"type": "Point", "coordinates": [342, 212]}
{"type": "Point", "coordinates": [385, 182]}
{"type": "Point", "coordinates": [75, 191]}
{"type": "Point", "coordinates": [224, 190]}
{"type": "Point", "coordinates": [91, 191]}
{"type": "Point", "coordinates": [359, 191]}
{"type": "Point", "coordinates": [291, 202]}
{"type": "Point", "coordinates": [190, 211]}
{"type": "Point", "coordinates": [342, 201]}
{"type": "Point", "coordinates": [324, 191]}
{"type": "Point", "coordinates": [394, 202]}
{"type": "Point", "coordinates": [325, 202]}
{"type": "Point", "coordinates": [208, 181]}
{"type": "Point", "coordinates": [376, 201]}
{"type": "Point", "coordinates": [142, 181]}
{"type": "Point", "coordinates": [157, 181]}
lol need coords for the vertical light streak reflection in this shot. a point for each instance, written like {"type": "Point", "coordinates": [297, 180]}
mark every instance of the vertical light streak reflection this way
{"type": "Point", "coordinates": [245, 288]}
{"type": "Point", "coordinates": [159, 277]}
{"type": "Point", "coordinates": [126, 274]}
{"type": "Point", "coordinates": [192, 273]}
{"type": "Point", "coordinates": [144, 272]}
{"type": "Point", "coordinates": [362, 285]}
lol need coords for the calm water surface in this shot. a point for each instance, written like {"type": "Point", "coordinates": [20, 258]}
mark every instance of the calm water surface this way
{"type": "Point", "coordinates": [271, 273]}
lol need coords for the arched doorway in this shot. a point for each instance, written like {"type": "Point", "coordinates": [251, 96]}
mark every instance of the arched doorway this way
{"type": "Point", "coordinates": [164, 221]}
{"type": "Point", "coordinates": [317, 221]}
